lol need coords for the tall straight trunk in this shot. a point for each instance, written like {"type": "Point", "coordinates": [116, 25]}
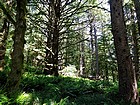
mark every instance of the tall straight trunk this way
{"type": "Point", "coordinates": [92, 47]}
{"type": "Point", "coordinates": [55, 45]}
{"type": "Point", "coordinates": [14, 76]}
{"type": "Point", "coordinates": [105, 68]}
{"type": "Point", "coordinates": [55, 39]}
{"type": "Point", "coordinates": [66, 52]}
{"type": "Point", "coordinates": [136, 49]}
{"type": "Point", "coordinates": [48, 58]}
{"type": "Point", "coordinates": [105, 58]}
{"type": "Point", "coordinates": [127, 78]}
{"type": "Point", "coordinates": [49, 53]}
{"type": "Point", "coordinates": [135, 45]}
{"type": "Point", "coordinates": [3, 34]}
{"type": "Point", "coordinates": [82, 57]}
{"type": "Point", "coordinates": [96, 52]}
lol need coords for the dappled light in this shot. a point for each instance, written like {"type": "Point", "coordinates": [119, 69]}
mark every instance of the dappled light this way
{"type": "Point", "coordinates": [44, 90]}
{"type": "Point", "coordinates": [69, 52]}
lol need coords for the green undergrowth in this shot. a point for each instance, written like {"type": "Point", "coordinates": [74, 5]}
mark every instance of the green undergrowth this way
{"type": "Point", "coordinates": [49, 90]}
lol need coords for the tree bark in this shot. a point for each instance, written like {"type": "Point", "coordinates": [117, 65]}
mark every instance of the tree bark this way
{"type": "Point", "coordinates": [92, 47]}
{"type": "Point", "coordinates": [135, 44]}
{"type": "Point", "coordinates": [82, 56]}
{"type": "Point", "coordinates": [127, 78]}
{"type": "Point", "coordinates": [96, 53]}
{"type": "Point", "coordinates": [55, 39]}
{"type": "Point", "coordinates": [136, 49]}
{"type": "Point", "coordinates": [49, 53]}
{"type": "Point", "coordinates": [14, 76]}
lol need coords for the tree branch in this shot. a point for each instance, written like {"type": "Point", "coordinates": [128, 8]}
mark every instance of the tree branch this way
{"type": "Point", "coordinates": [7, 13]}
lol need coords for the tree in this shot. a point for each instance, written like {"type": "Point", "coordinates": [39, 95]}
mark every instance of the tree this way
{"type": "Point", "coordinates": [14, 76]}
{"type": "Point", "coordinates": [56, 18]}
{"type": "Point", "coordinates": [127, 78]}
{"type": "Point", "coordinates": [82, 55]}
{"type": "Point", "coordinates": [136, 49]}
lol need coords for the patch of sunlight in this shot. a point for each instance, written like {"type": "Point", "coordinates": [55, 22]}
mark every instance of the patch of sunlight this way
{"type": "Point", "coordinates": [62, 102]}
{"type": "Point", "coordinates": [3, 99]}
{"type": "Point", "coordinates": [69, 70]}
{"type": "Point", "coordinates": [1, 68]}
{"type": "Point", "coordinates": [24, 98]}
{"type": "Point", "coordinates": [36, 101]}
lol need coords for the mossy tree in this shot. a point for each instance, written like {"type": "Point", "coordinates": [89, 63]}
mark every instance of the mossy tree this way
{"type": "Point", "coordinates": [13, 81]}
{"type": "Point", "coordinates": [127, 78]}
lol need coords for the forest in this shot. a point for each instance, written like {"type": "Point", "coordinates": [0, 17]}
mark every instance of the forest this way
{"type": "Point", "coordinates": [69, 52]}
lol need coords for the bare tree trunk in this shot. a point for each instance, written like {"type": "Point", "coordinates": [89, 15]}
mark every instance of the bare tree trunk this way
{"type": "Point", "coordinates": [135, 45]}
{"type": "Point", "coordinates": [55, 45]}
{"type": "Point", "coordinates": [55, 40]}
{"type": "Point", "coordinates": [92, 48]}
{"type": "Point", "coordinates": [14, 76]}
{"type": "Point", "coordinates": [96, 52]}
{"type": "Point", "coordinates": [136, 49]}
{"type": "Point", "coordinates": [105, 58]}
{"type": "Point", "coordinates": [3, 34]}
{"type": "Point", "coordinates": [127, 78]}
{"type": "Point", "coordinates": [82, 57]}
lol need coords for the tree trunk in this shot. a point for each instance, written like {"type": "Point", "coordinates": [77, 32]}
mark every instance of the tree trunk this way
{"type": "Point", "coordinates": [135, 44]}
{"type": "Point", "coordinates": [3, 33]}
{"type": "Point", "coordinates": [55, 39]}
{"type": "Point", "coordinates": [96, 52]}
{"type": "Point", "coordinates": [105, 72]}
{"type": "Point", "coordinates": [127, 79]}
{"type": "Point", "coordinates": [49, 53]}
{"type": "Point", "coordinates": [14, 76]}
{"type": "Point", "coordinates": [82, 57]}
{"type": "Point", "coordinates": [92, 47]}
{"type": "Point", "coordinates": [136, 49]}
{"type": "Point", "coordinates": [55, 45]}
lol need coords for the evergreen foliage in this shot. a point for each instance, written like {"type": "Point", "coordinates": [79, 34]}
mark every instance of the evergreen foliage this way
{"type": "Point", "coordinates": [70, 38]}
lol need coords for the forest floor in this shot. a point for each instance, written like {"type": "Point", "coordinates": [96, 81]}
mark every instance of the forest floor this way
{"type": "Point", "coordinates": [48, 90]}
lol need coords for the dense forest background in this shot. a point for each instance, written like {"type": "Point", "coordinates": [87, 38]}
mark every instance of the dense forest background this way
{"type": "Point", "coordinates": [69, 52]}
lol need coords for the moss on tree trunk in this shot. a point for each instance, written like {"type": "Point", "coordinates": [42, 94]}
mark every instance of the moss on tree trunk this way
{"type": "Point", "coordinates": [14, 76]}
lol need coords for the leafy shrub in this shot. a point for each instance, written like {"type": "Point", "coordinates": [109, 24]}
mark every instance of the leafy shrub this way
{"type": "Point", "coordinates": [24, 99]}
{"type": "Point", "coordinates": [3, 99]}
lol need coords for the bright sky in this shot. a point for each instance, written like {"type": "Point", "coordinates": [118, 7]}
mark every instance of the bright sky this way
{"type": "Point", "coordinates": [104, 4]}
